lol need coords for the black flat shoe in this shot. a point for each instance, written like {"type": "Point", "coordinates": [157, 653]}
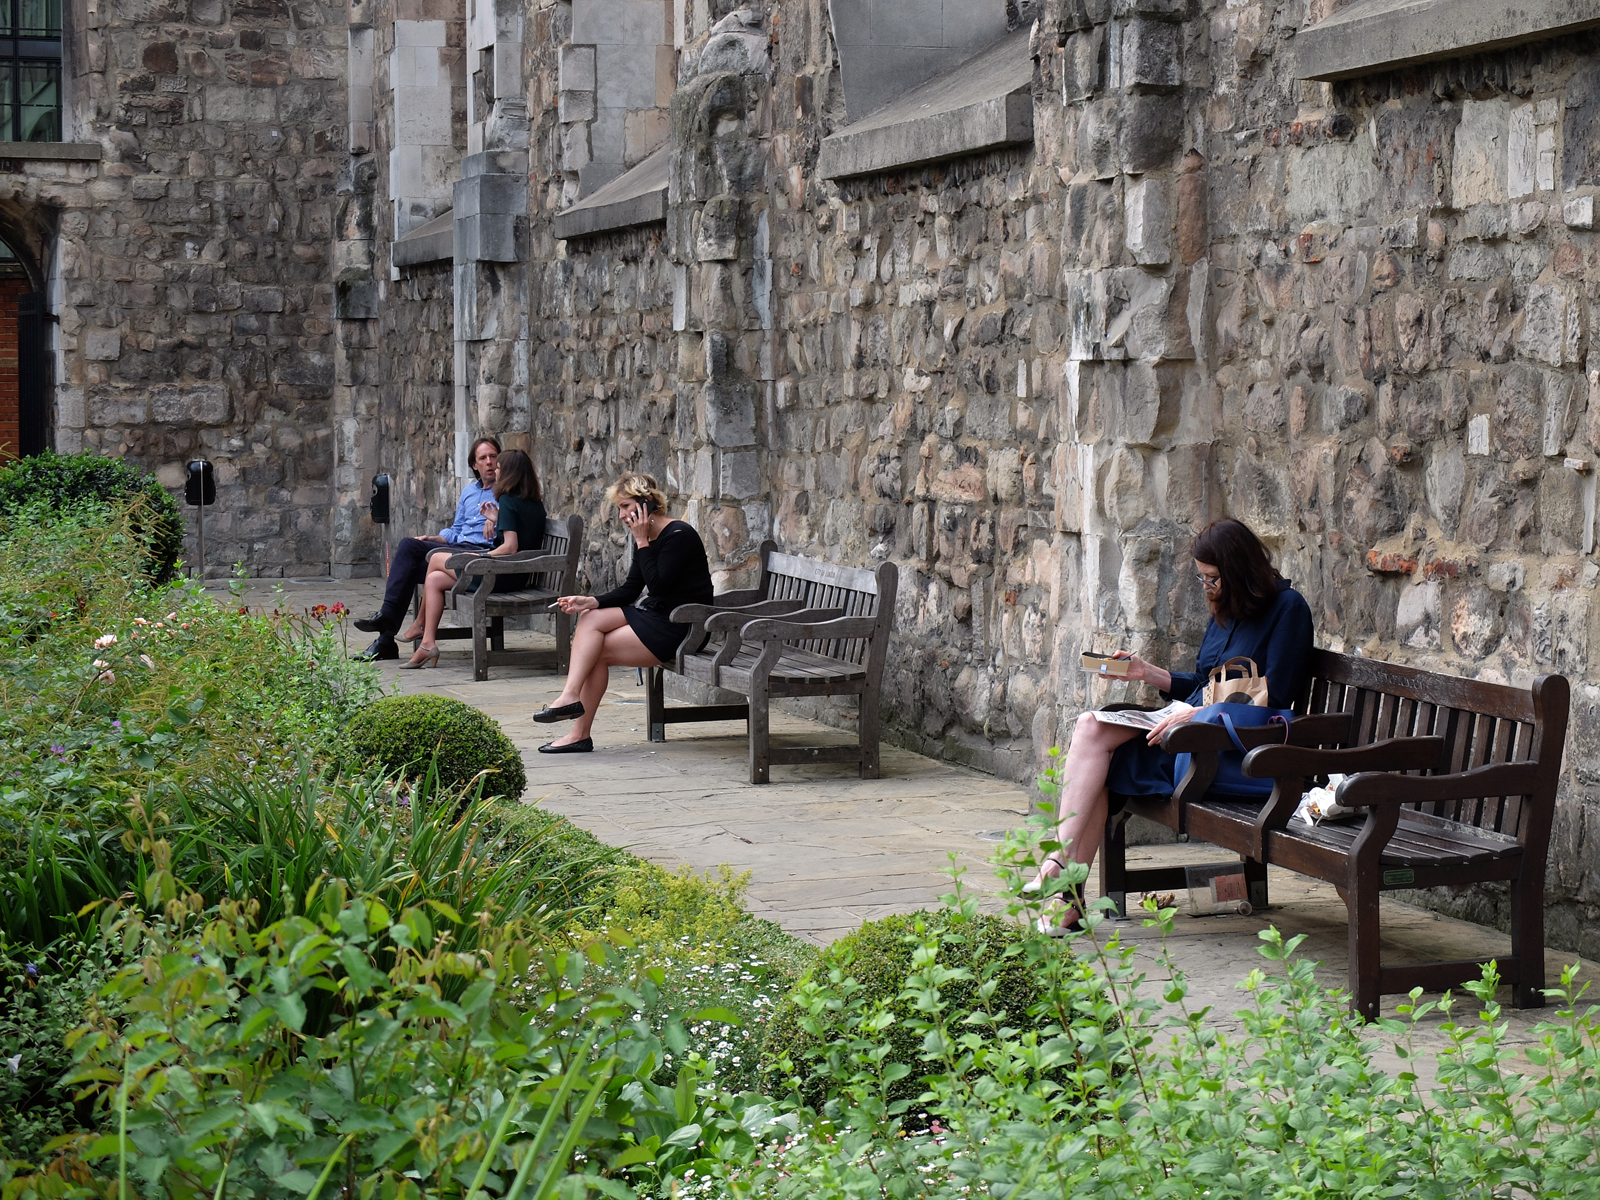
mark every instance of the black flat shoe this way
{"type": "Point", "coordinates": [380, 651]}
{"type": "Point", "coordinates": [377, 623]}
{"type": "Point", "coordinates": [566, 712]}
{"type": "Point", "coordinates": [579, 747]}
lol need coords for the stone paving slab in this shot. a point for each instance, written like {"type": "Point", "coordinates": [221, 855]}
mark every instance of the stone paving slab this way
{"type": "Point", "coordinates": [827, 850]}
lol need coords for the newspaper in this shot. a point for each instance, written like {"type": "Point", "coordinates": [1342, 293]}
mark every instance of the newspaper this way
{"type": "Point", "coordinates": [1135, 719]}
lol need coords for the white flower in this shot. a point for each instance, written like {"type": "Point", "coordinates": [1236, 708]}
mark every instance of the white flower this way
{"type": "Point", "coordinates": [108, 676]}
{"type": "Point", "coordinates": [172, 616]}
{"type": "Point", "coordinates": [100, 664]}
{"type": "Point", "coordinates": [148, 661]}
{"type": "Point", "coordinates": [109, 639]}
{"type": "Point", "coordinates": [14, 1062]}
{"type": "Point", "coordinates": [140, 621]}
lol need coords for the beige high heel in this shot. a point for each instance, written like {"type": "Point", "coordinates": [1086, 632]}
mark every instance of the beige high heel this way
{"type": "Point", "coordinates": [430, 658]}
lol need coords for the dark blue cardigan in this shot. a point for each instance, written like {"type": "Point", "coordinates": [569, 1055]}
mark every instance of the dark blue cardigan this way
{"type": "Point", "coordinates": [1280, 642]}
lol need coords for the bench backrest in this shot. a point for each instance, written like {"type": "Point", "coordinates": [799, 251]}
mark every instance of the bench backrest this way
{"type": "Point", "coordinates": [1482, 724]}
{"type": "Point", "coordinates": [818, 584]}
{"type": "Point", "coordinates": [563, 536]}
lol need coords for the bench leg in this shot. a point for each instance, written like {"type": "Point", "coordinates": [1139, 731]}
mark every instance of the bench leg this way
{"type": "Point", "coordinates": [655, 702]}
{"type": "Point", "coordinates": [480, 645]}
{"type": "Point", "coordinates": [867, 723]}
{"type": "Point", "coordinates": [1114, 862]}
{"type": "Point", "coordinates": [1527, 938]}
{"type": "Point", "coordinates": [1365, 949]}
{"type": "Point", "coordinates": [1255, 882]}
{"type": "Point", "coordinates": [760, 758]}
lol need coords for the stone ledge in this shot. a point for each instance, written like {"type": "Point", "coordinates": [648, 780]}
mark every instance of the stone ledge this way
{"type": "Point", "coordinates": [1381, 35]}
{"type": "Point", "coordinates": [52, 151]}
{"type": "Point", "coordinates": [636, 197]}
{"type": "Point", "coordinates": [431, 241]}
{"type": "Point", "coordinates": [985, 103]}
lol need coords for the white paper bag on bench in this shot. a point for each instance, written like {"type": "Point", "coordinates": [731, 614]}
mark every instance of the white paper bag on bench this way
{"type": "Point", "coordinates": [1318, 805]}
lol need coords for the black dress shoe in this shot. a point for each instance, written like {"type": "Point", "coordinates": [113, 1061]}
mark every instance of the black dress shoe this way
{"type": "Point", "coordinates": [565, 712]}
{"type": "Point", "coordinates": [378, 622]}
{"type": "Point", "coordinates": [380, 650]}
{"type": "Point", "coordinates": [582, 746]}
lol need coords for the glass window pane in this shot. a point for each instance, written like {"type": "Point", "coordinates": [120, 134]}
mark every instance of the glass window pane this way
{"type": "Point", "coordinates": [41, 102]}
{"type": "Point", "coordinates": [39, 18]}
{"type": "Point", "coordinates": [7, 109]}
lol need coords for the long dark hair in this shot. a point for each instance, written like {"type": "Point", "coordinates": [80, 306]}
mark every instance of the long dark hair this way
{"type": "Point", "coordinates": [1249, 580]}
{"type": "Point", "coordinates": [517, 476]}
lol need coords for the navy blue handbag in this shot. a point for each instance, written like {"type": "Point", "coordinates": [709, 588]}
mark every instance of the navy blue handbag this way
{"type": "Point", "coordinates": [1231, 779]}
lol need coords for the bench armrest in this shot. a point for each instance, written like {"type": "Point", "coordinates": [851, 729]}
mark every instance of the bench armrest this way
{"type": "Point", "coordinates": [1393, 754]}
{"type": "Point", "coordinates": [723, 620]}
{"type": "Point", "coordinates": [1374, 788]}
{"type": "Point", "coordinates": [796, 631]}
{"type": "Point", "coordinates": [514, 564]}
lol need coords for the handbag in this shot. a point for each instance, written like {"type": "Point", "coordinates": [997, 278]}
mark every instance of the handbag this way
{"type": "Point", "coordinates": [1232, 716]}
{"type": "Point", "coordinates": [1251, 682]}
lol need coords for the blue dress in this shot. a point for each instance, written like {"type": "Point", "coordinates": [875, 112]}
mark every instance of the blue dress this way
{"type": "Point", "coordinates": [1279, 640]}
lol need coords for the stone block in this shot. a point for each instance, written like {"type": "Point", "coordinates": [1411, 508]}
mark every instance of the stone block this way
{"type": "Point", "coordinates": [1580, 143]}
{"type": "Point", "coordinates": [575, 106]}
{"type": "Point", "coordinates": [1152, 55]}
{"type": "Point", "coordinates": [1552, 326]}
{"type": "Point", "coordinates": [102, 345]}
{"type": "Point", "coordinates": [741, 474]}
{"type": "Point", "coordinates": [1149, 222]}
{"type": "Point", "coordinates": [487, 237]}
{"type": "Point", "coordinates": [1480, 161]}
{"type": "Point", "coordinates": [1152, 397]}
{"type": "Point", "coordinates": [717, 239]}
{"type": "Point", "coordinates": [575, 72]}
{"type": "Point", "coordinates": [1151, 132]}
{"type": "Point", "coordinates": [1578, 213]}
{"type": "Point", "coordinates": [202, 404]}
{"type": "Point", "coordinates": [730, 414]}
{"type": "Point", "coordinates": [117, 408]}
{"type": "Point", "coordinates": [1081, 63]}
{"type": "Point", "coordinates": [1333, 181]}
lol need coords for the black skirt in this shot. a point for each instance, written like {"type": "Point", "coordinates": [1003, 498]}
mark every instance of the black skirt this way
{"type": "Point", "coordinates": [660, 636]}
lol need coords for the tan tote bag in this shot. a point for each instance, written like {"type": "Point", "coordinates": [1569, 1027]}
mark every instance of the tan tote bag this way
{"type": "Point", "coordinates": [1250, 686]}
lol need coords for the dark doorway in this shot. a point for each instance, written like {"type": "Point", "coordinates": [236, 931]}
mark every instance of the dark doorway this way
{"type": "Point", "coordinates": [32, 373]}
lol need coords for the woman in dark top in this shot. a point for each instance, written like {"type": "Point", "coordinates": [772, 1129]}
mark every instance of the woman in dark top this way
{"type": "Point", "coordinates": [1254, 614]}
{"type": "Point", "coordinates": [613, 630]}
{"type": "Point", "coordinates": [514, 522]}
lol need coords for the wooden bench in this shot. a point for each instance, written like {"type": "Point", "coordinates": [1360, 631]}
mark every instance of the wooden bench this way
{"type": "Point", "coordinates": [554, 568]}
{"type": "Point", "coordinates": [1459, 781]}
{"type": "Point", "coordinates": [808, 628]}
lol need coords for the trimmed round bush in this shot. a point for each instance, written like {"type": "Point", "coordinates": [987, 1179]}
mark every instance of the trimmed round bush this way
{"type": "Point", "coordinates": [65, 480]}
{"type": "Point", "coordinates": [405, 734]}
{"type": "Point", "coordinates": [879, 957]}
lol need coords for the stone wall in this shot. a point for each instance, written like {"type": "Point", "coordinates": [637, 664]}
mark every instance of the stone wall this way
{"type": "Point", "coordinates": [191, 266]}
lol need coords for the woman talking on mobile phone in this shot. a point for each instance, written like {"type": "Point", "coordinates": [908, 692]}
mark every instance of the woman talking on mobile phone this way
{"type": "Point", "coordinates": [618, 629]}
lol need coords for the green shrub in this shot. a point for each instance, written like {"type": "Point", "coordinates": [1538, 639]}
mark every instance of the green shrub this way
{"type": "Point", "coordinates": [64, 482]}
{"type": "Point", "coordinates": [408, 735]}
{"type": "Point", "coordinates": [43, 995]}
{"type": "Point", "coordinates": [879, 957]}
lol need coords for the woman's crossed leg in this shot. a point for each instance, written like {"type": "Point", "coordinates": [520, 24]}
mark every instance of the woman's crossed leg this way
{"type": "Point", "coordinates": [602, 640]}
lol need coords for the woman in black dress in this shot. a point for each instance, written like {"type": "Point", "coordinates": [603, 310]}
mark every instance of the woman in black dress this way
{"type": "Point", "coordinates": [613, 630]}
{"type": "Point", "coordinates": [1255, 614]}
{"type": "Point", "coordinates": [513, 522]}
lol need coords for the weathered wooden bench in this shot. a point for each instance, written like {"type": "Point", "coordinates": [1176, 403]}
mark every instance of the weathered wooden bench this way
{"type": "Point", "coordinates": [554, 570]}
{"type": "Point", "coordinates": [1458, 778]}
{"type": "Point", "coordinates": [808, 628]}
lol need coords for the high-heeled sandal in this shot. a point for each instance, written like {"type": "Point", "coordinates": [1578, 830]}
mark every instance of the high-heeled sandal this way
{"type": "Point", "coordinates": [430, 658]}
{"type": "Point", "coordinates": [1037, 884]}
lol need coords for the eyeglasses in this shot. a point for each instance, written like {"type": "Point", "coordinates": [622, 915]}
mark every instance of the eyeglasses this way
{"type": "Point", "coordinates": [1209, 582]}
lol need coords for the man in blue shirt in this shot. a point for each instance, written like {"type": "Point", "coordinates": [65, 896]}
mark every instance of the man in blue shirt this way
{"type": "Point", "coordinates": [410, 562]}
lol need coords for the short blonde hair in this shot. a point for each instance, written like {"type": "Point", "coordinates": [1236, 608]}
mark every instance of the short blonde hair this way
{"type": "Point", "coordinates": [639, 488]}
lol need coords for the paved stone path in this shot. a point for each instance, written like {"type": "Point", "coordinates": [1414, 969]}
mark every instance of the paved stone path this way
{"type": "Point", "coordinates": [827, 850]}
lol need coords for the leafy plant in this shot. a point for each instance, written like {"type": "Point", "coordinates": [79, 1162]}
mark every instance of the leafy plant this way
{"type": "Point", "coordinates": [877, 959]}
{"type": "Point", "coordinates": [215, 1082]}
{"type": "Point", "coordinates": [69, 482]}
{"type": "Point", "coordinates": [43, 995]}
{"type": "Point", "coordinates": [410, 735]}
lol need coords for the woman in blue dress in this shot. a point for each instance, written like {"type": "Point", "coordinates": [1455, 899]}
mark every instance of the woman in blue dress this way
{"type": "Point", "coordinates": [1255, 614]}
